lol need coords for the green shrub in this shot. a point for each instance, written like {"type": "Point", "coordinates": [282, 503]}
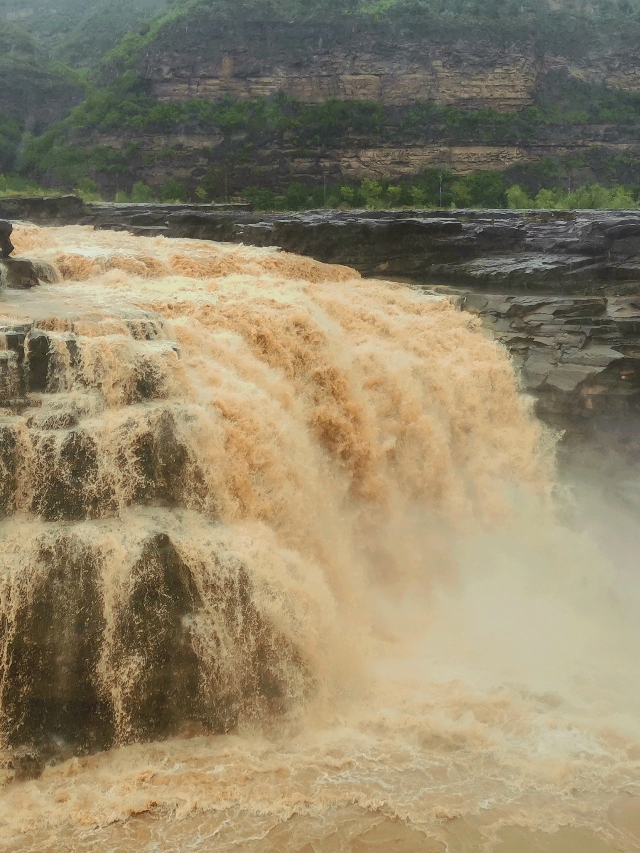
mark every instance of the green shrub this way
{"type": "Point", "coordinates": [588, 197]}
{"type": "Point", "coordinates": [173, 192]}
{"type": "Point", "coordinates": [88, 190]}
{"type": "Point", "coordinates": [296, 197]}
{"type": "Point", "coordinates": [260, 198]}
{"type": "Point", "coordinates": [372, 193]}
{"type": "Point", "coordinates": [15, 185]}
{"type": "Point", "coordinates": [140, 192]}
{"type": "Point", "coordinates": [477, 190]}
{"type": "Point", "coordinates": [485, 189]}
{"type": "Point", "coordinates": [517, 198]}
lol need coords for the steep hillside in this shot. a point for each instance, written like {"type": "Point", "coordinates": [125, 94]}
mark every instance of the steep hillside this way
{"type": "Point", "coordinates": [80, 32]}
{"type": "Point", "coordinates": [441, 52]}
{"type": "Point", "coordinates": [34, 92]}
{"type": "Point", "coordinates": [223, 95]}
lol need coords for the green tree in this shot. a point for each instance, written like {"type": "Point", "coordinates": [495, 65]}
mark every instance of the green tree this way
{"type": "Point", "coordinates": [372, 193]}
{"type": "Point", "coordinates": [347, 195]}
{"type": "Point", "coordinates": [461, 194]}
{"type": "Point", "coordinates": [418, 196]}
{"type": "Point", "coordinates": [517, 198]}
{"type": "Point", "coordinates": [485, 189]}
{"type": "Point", "coordinates": [622, 199]}
{"type": "Point", "coordinates": [296, 197]}
{"type": "Point", "coordinates": [88, 190]}
{"type": "Point", "coordinates": [140, 192]}
{"type": "Point", "coordinates": [546, 200]}
{"type": "Point", "coordinates": [173, 192]}
{"type": "Point", "coordinates": [394, 194]}
{"type": "Point", "coordinates": [260, 198]}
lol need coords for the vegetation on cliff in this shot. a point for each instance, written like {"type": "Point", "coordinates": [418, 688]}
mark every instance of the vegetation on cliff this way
{"type": "Point", "coordinates": [16, 186]}
{"type": "Point", "coordinates": [80, 32]}
{"type": "Point", "coordinates": [122, 140]}
{"type": "Point", "coordinates": [122, 117]}
{"type": "Point", "coordinates": [434, 189]}
{"type": "Point", "coordinates": [564, 26]}
{"type": "Point", "coordinates": [34, 91]}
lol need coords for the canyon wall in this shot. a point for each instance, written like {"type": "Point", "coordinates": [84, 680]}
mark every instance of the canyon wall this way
{"type": "Point", "coordinates": [509, 95]}
{"type": "Point", "coordinates": [216, 59]}
{"type": "Point", "coordinates": [314, 62]}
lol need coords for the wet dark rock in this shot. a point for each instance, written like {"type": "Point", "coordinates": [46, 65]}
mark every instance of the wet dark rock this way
{"type": "Point", "coordinates": [154, 626]}
{"type": "Point", "coordinates": [11, 385]}
{"type": "Point", "coordinates": [65, 210]}
{"type": "Point", "coordinates": [73, 683]}
{"type": "Point", "coordinates": [6, 246]}
{"type": "Point", "coordinates": [149, 383]}
{"type": "Point", "coordinates": [578, 356]}
{"type": "Point", "coordinates": [160, 460]}
{"type": "Point", "coordinates": [573, 252]}
{"type": "Point", "coordinates": [8, 469]}
{"type": "Point", "coordinates": [160, 463]}
{"type": "Point", "coordinates": [49, 690]}
{"type": "Point", "coordinates": [66, 474]}
{"type": "Point", "coordinates": [18, 273]}
{"type": "Point", "coordinates": [555, 251]}
{"type": "Point", "coordinates": [38, 350]}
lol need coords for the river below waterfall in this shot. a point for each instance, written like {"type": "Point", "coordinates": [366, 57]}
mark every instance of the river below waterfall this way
{"type": "Point", "coordinates": [286, 566]}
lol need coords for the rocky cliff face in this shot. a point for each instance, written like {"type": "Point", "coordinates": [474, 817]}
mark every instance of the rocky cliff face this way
{"type": "Point", "coordinates": [143, 129]}
{"type": "Point", "coordinates": [579, 357]}
{"type": "Point", "coordinates": [314, 62]}
{"type": "Point", "coordinates": [215, 58]}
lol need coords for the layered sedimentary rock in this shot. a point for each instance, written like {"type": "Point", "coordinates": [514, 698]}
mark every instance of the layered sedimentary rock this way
{"type": "Point", "coordinates": [578, 356]}
{"type": "Point", "coordinates": [102, 633]}
{"type": "Point", "coordinates": [55, 210]}
{"type": "Point", "coordinates": [555, 251]}
{"type": "Point", "coordinates": [356, 60]}
{"type": "Point", "coordinates": [214, 57]}
{"type": "Point", "coordinates": [562, 251]}
{"type": "Point", "coordinates": [315, 62]}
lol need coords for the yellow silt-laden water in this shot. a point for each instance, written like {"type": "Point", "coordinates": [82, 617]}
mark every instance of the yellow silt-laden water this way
{"type": "Point", "coordinates": [280, 570]}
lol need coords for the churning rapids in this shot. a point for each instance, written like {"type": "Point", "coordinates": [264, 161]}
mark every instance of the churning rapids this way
{"type": "Point", "coordinates": [283, 568]}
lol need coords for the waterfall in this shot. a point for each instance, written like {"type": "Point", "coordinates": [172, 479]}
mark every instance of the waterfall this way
{"type": "Point", "coordinates": [232, 480]}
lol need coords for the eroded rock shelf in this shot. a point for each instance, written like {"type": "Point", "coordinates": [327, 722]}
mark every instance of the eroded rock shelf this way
{"type": "Point", "coordinates": [560, 289]}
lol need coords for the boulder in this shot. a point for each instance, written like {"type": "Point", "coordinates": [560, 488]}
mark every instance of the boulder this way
{"type": "Point", "coordinates": [6, 246]}
{"type": "Point", "coordinates": [18, 273]}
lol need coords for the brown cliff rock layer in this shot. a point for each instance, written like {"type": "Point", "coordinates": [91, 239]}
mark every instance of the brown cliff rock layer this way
{"type": "Point", "coordinates": [314, 62]}
{"type": "Point", "coordinates": [503, 80]}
